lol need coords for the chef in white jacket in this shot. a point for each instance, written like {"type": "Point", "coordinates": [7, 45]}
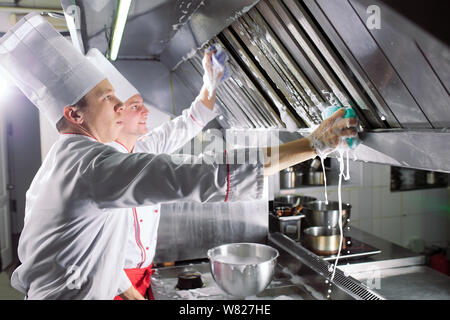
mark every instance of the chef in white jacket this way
{"type": "Point", "coordinates": [76, 221]}
{"type": "Point", "coordinates": [76, 227]}
{"type": "Point", "coordinates": [135, 137]}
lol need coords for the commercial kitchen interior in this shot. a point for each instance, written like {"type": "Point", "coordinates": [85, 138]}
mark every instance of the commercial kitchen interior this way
{"type": "Point", "coordinates": [289, 59]}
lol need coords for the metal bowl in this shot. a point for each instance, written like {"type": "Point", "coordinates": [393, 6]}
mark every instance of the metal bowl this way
{"type": "Point", "coordinates": [320, 214]}
{"type": "Point", "coordinates": [243, 269]}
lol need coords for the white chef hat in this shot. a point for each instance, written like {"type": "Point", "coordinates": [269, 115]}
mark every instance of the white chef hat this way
{"type": "Point", "coordinates": [45, 66]}
{"type": "Point", "coordinates": [122, 87]}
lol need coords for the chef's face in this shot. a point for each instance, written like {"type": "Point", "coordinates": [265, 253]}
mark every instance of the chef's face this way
{"type": "Point", "coordinates": [134, 120]}
{"type": "Point", "coordinates": [103, 114]}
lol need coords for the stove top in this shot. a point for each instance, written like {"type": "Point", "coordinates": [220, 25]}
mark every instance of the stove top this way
{"type": "Point", "coordinates": [357, 249]}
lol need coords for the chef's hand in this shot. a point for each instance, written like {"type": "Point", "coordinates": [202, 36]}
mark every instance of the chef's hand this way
{"type": "Point", "coordinates": [330, 134]}
{"type": "Point", "coordinates": [131, 294]}
{"type": "Point", "coordinates": [211, 79]}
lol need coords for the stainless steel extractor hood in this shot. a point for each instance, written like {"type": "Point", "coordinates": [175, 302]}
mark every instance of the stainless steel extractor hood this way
{"type": "Point", "coordinates": [293, 57]}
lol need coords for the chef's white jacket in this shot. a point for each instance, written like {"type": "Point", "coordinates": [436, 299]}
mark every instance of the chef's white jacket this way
{"type": "Point", "coordinates": [167, 138]}
{"type": "Point", "coordinates": [73, 244]}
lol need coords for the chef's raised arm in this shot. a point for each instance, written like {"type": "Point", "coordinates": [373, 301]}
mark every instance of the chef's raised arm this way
{"type": "Point", "coordinates": [131, 180]}
{"type": "Point", "coordinates": [174, 134]}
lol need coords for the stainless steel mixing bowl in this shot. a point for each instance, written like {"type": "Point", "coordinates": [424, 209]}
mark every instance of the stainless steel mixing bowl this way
{"type": "Point", "coordinates": [243, 269]}
{"type": "Point", "coordinates": [320, 214]}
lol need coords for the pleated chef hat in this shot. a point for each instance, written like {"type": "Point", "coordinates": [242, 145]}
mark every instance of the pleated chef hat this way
{"type": "Point", "coordinates": [122, 87]}
{"type": "Point", "coordinates": [45, 66]}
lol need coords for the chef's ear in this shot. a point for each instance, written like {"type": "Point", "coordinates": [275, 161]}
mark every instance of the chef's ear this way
{"type": "Point", "coordinates": [73, 114]}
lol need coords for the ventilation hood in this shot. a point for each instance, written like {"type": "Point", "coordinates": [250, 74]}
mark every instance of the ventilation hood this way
{"type": "Point", "coordinates": [291, 58]}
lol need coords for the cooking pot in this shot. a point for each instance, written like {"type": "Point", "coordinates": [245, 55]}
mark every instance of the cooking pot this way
{"type": "Point", "coordinates": [320, 214]}
{"type": "Point", "coordinates": [315, 178]}
{"type": "Point", "coordinates": [290, 178]}
{"type": "Point", "coordinates": [322, 240]}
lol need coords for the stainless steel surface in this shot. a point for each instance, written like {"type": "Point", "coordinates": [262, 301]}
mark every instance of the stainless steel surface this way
{"type": "Point", "coordinates": [382, 74]}
{"type": "Point", "coordinates": [353, 252]}
{"type": "Point", "coordinates": [396, 273]}
{"type": "Point", "coordinates": [241, 103]}
{"type": "Point", "coordinates": [287, 178]}
{"type": "Point", "coordinates": [295, 278]}
{"type": "Point", "coordinates": [209, 19]}
{"type": "Point", "coordinates": [187, 229]}
{"type": "Point", "coordinates": [252, 32]}
{"type": "Point", "coordinates": [291, 226]}
{"type": "Point", "coordinates": [408, 283]}
{"type": "Point", "coordinates": [391, 256]}
{"type": "Point", "coordinates": [259, 81]}
{"type": "Point", "coordinates": [417, 149]}
{"type": "Point", "coordinates": [318, 38]}
{"type": "Point", "coordinates": [291, 178]}
{"type": "Point", "coordinates": [322, 240]}
{"type": "Point", "coordinates": [289, 60]}
{"type": "Point", "coordinates": [305, 53]}
{"type": "Point", "coordinates": [315, 273]}
{"type": "Point", "coordinates": [320, 214]}
{"type": "Point", "coordinates": [282, 287]}
{"type": "Point", "coordinates": [413, 69]}
{"type": "Point", "coordinates": [169, 29]}
{"type": "Point", "coordinates": [243, 269]}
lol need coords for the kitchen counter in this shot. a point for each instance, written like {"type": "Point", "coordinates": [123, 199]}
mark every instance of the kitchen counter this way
{"type": "Point", "coordinates": [164, 282]}
{"type": "Point", "coordinates": [396, 273]}
{"type": "Point", "coordinates": [391, 256]}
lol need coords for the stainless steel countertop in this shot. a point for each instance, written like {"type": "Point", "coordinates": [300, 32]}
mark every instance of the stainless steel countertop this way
{"type": "Point", "coordinates": [391, 256]}
{"type": "Point", "coordinates": [396, 273]}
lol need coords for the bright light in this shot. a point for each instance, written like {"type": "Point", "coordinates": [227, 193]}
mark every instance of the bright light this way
{"type": "Point", "coordinates": [119, 27]}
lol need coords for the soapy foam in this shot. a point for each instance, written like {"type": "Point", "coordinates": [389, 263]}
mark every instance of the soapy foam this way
{"type": "Point", "coordinates": [347, 176]}
{"type": "Point", "coordinates": [324, 179]}
{"type": "Point", "coordinates": [341, 174]}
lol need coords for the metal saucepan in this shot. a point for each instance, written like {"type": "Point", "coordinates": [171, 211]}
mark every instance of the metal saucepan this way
{"type": "Point", "coordinates": [320, 214]}
{"type": "Point", "coordinates": [322, 240]}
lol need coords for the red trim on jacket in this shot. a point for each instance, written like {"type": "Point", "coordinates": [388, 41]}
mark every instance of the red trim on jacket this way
{"type": "Point", "coordinates": [195, 120]}
{"type": "Point", "coordinates": [137, 229]}
{"type": "Point", "coordinates": [123, 145]}
{"type": "Point", "coordinates": [137, 233]}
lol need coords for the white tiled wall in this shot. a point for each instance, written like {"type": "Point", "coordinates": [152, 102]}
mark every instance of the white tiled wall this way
{"type": "Point", "coordinates": [401, 217]}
